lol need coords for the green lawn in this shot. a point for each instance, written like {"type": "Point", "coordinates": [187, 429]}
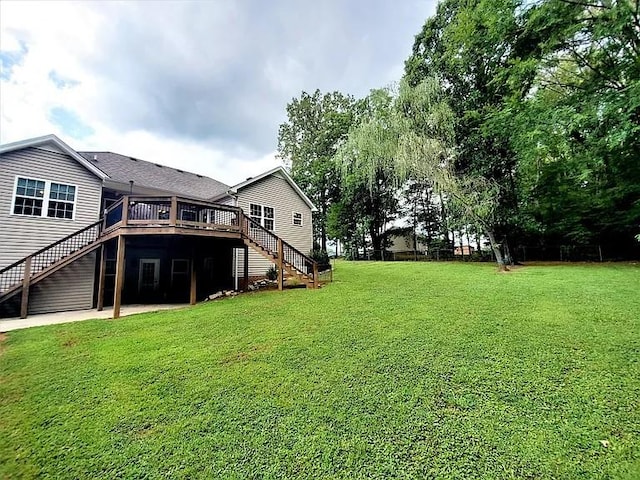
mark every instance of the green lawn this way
{"type": "Point", "coordinates": [396, 370]}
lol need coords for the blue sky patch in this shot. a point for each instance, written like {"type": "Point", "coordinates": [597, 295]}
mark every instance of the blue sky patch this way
{"type": "Point", "coordinates": [70, 123]}
{"type": "Point", "coordinates": [60, 81]}
{"type": "Point", "coordinates": [10, 58]}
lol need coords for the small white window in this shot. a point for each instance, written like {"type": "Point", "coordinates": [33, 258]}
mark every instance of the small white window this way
{"type": "Point", "coordinates": [39, 198]}
{"type": "Point", "coordinates": [297, 219]}
{"type": "Point", "coordinates": [256, 213]}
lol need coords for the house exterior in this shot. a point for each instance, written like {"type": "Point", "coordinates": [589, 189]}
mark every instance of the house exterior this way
{"type": "Point", "coordinates": [80, 229]}
{"type": "Point", "coordinates": [269, 200]}
{"type": "Point", "coordinates": [401, 240]}
{"type": "Point", "coordinates": [464, 250]}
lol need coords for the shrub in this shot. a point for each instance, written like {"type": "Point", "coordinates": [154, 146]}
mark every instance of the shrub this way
{"type": "Point", "coordinates": [322, 258]}
{"type": "Point", "coordinates": [272, 273]}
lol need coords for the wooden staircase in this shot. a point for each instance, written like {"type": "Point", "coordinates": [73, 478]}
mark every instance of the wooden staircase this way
{"type": "Point", "coordinates": [286, 257]}
{"type": "Point", "coordinates": [288, 267]}
{"type": "Point", "coordinates": [19, 276]}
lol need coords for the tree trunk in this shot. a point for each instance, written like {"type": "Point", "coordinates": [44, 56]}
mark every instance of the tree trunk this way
{"type": "Point", "coordinates": [496, 251]}
{"type": "Point", "coordinates": [445, 231]}
{"type": "Point", "coordinates": [376, 244]}
{"type": "Point", "coordinates": [415, 226]}
{"type": "Point", "coordinates": [425, 200]}
{"type": "Point", "coordinates": [323, 224]}
{"type": "Point", "coordinates": [507, 253]}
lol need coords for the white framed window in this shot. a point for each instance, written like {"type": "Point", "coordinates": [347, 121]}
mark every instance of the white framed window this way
{"type": "Point", "coordinates": [297, 219]}
{"type": "Point", "coordinates": [180, 271]}
{"type": "Point", "coordinates": [262, 215]}
{"type": "Point", "coordinates": [41, 198]}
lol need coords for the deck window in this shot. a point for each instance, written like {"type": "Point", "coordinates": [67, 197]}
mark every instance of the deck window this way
{"type": "Point", "coordinates": [297, 219]}
{"type": "Point", "coordinates": [39, 198]}
{"type": "Point", "coordinates": [263, 215]}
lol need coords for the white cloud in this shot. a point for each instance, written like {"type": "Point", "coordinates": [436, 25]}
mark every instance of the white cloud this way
{"type": "Point", "coordinates": [197, 85]}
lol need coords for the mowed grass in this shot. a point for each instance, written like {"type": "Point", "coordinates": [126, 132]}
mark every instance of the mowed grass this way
{"type": "Point", "coordinates": [396, 370]}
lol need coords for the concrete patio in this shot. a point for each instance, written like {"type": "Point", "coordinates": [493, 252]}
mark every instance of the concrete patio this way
{"type": "Point", "coordinates": [8, 324]}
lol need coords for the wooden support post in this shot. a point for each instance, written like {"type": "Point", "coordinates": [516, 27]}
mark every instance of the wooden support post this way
{"type": "Point", "coordinates": [26, 281]}
{"type": "Point", "coordinates": [246, 267]}
{"type": "Point", "coordinates": [280, 258]}
{"type": "Point", "coordinates": [117, 294]}
{"type": "Point", "coordinates": [125, 210]}
{"type": "Point", "coordinates": [101, 276]}
{"type": "Point", "coordinates": [316, 282]}
{"type": "Point", "coordinates": [193, 290]}
{"type": "Point", "coordinates": [244, 228]}
{"type": "Point", "coordinates": [173, 213]}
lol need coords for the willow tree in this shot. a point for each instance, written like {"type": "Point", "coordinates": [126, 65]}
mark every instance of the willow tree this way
{"type": "Point", "coordinates": [411, 137]}
{"type": "Point", "coordinates": [316, 124]}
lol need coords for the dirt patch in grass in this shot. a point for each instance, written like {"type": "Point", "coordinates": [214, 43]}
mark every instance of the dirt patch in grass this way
{"type": "Point", "coordinates": [3, 338]}
{"type": "Point", "coordinates": [143, 431]}
{"type": "Point", "coordinates": [70, 342]}
{"type": "Point", "coordinates": [244, 355]}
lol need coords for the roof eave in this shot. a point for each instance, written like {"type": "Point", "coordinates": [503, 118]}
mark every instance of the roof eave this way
{"type": "Point", "coordinates": [288, 178]}
{"type": "Point", "coordinates": [39, 141]}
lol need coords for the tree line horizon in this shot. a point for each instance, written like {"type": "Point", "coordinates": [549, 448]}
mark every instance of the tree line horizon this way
{"type": "Point", "coordinates": [515, 121]}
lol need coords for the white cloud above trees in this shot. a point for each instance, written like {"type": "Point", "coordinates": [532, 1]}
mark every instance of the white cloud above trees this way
{"type": "Point", "coordinates": [199, 85]}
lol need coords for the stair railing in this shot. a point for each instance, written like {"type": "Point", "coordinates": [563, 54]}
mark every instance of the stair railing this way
{"type": "Point", "coordinates": [291, 256]}
{"type": "Point", "coordinates": [263, 237]}
{"type": "Point", "coordinates": [13, 275]}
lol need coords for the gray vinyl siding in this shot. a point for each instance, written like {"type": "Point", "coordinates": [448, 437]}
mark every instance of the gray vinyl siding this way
{"type": "Point", "coordinates": [76, 280]}
{"type": "Point", "coordinates": [274, 191]}
{"type": "Point", "coordinates": [23, 235]}
{"type": "Point", "coordinates": [227, 200]}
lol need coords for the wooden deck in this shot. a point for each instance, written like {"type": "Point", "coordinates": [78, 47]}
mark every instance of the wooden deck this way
{"type": "Point", "coordinates": [157, 215]}
{"type": "Point", "coordinates": [134, 215]}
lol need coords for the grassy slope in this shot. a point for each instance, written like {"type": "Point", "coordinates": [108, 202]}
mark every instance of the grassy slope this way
{"type": "Point", "coordinates": [394, 371]}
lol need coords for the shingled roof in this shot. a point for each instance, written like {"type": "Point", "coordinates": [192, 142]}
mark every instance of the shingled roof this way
{"type": "Point", "coordinates": [123, 169]}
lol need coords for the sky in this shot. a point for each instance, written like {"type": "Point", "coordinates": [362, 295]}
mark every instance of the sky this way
{"type": "Point", "coordinates": [196, 85]}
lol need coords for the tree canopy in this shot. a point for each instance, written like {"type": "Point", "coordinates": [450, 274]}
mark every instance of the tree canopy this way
{"type": "Point", "coordinates": [518, 120]}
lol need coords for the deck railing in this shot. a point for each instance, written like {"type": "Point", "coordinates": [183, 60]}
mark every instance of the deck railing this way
{"type": "Point", "coordinates": [260, 235]}
{"type": "Point", "coordinates": [138, 211]}
{"type": "Point", "coordinates": [297, 259]}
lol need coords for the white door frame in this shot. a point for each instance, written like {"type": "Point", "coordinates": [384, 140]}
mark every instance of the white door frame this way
{"type": "Point", "coordinates": [156, 272]}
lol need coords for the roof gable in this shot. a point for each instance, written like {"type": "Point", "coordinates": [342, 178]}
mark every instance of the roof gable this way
{"type": "Point", "coordinates": [55, 144]}
{"type": "Point", "coordinates": [285, 176]}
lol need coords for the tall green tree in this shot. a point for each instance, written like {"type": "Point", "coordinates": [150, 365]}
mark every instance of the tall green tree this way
{"type": "Point", "coordinates": [487, 53]}
{"type": "Point", "coordinates": [578, 135]}
{"type": "Point", "coordinates": [372, 198]}
{"type": "Point", "coordinates": [409, 136]}
{"type": "Point", "coordinates": [307, 142]}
